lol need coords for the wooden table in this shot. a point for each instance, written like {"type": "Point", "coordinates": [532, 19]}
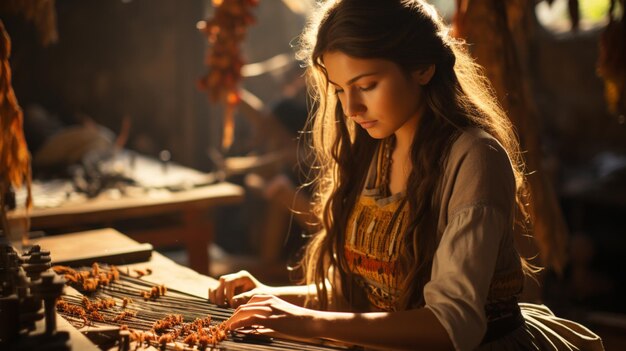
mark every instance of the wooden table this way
{"type": "Point", "coordinates": [193, 207]}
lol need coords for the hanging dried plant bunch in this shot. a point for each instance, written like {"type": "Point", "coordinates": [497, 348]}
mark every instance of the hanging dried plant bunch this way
{"type": "Point", "coordinates": [14, 155]}
{"type": "Point", "coordinates": [225, 32]}
{"type": "Point", "coordinates": [611, 60]}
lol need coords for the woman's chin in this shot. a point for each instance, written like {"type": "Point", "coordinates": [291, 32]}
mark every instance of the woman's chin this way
{"type": "Point", "coordinates": [377, 134]}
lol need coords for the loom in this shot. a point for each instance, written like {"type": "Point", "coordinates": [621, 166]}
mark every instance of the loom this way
{"type": "Point", "coordinates": [27, 281]}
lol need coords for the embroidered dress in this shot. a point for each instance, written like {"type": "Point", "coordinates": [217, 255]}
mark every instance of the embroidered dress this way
{"type": "Point", "coordinates": [476, 274]}
{"type": "Point", "coordinates": [373, 256]}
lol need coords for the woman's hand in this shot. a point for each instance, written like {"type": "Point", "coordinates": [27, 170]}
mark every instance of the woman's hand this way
{"type": "Point", "coordinates": [274, 313]}
{"type": "Point", "coordinates": [236, 289]}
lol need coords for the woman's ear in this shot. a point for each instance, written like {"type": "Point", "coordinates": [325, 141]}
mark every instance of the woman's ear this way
{"type": "Point", "coordinates": [423, 75]}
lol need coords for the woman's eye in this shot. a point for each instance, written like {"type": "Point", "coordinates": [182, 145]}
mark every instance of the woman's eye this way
{"type": "Point", "coordinates": [338, 91]}
{"type": "Point", "coordinates": [368, 88]}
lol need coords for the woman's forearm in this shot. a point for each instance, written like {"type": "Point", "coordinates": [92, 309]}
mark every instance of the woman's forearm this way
{"type": "Point", "coordinates": [410, 330]}
{"type": "Point", "coordinates": [295, 294]}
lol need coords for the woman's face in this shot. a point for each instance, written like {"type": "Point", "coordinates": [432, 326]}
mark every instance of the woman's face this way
{"type": "Point", "coordinates": [376, 94]}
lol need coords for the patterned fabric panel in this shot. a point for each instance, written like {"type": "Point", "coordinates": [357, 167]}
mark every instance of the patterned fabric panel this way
{"type": "Point", "coordinates": [507, 284]}
{"type": "Point", "coordinates": [380, 296]}
{"type": "Point", "coordinates": [372, 245]}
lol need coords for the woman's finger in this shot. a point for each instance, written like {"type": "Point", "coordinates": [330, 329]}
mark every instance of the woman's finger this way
{"type": "Point", "coordinates": [254, 320]}
{"type": "Point", "coordinates": [250, 318]}
{"type": "Point", "coordinates": [249, 298]}
{"type": "Point", "coordinates": [230, 285]}
{"type": "Point", "coordinates": [244, 312]}
{"type": "Point", "coordinates": [241, 299]}
{"type": "Point", "coordinates": [212, 294]}
{"type": "Point", "coordinates": [235, 287]}
{"type": "Point", "coordinates": [219, 293]}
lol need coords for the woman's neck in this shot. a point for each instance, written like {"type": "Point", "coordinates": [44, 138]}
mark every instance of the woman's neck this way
{"type": "Point", "coordinates": [402, 148]}
{"type": "Point", "coordinates": [404, 140]}
{"type": "Point", "coordinates": [405, 134]}
{"type": "Point", "coordinates": [401, 157]}
{"type": "Point", "coordinates": [400, 165]}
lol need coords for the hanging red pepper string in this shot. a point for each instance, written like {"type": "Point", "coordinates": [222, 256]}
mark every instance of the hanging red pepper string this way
{"type": "Point", "coordinates": [225, 31]}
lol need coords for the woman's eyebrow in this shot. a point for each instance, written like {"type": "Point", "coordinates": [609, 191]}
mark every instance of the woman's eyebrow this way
{"type": "Point", "coordinates": [354, 79]}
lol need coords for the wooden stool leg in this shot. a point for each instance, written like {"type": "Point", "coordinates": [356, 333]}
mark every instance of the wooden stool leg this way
{"type": "Point", "coordinates": [273, 236]}
{"type": "Point", "coordinates": [198, 235]}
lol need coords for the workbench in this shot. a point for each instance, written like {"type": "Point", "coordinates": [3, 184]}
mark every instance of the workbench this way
{"type": "Point", "coordinates": [192, 209]}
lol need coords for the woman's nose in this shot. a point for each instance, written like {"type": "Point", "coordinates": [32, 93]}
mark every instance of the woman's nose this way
{"type": "Point", "coordinates": [354, 105]}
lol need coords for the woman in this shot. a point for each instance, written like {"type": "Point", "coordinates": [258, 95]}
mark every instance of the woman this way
{"type": "Point", "coordinates": [420, 194]}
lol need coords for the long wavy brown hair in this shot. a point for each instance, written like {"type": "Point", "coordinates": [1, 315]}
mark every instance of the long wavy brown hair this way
{"type": "Point", "coordinates": [411, 34]}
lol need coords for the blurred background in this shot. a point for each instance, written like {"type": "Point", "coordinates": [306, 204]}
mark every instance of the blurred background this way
{"type": "Point", "coordinates": [126, 73]}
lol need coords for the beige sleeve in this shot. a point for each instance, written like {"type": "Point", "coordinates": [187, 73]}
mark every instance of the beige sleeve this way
{"type": "Point", "coordinates": [461, 274]}
{"type": "Point", "coordinates": [478, 204]}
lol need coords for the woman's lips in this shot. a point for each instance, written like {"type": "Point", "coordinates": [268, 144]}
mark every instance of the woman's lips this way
{"type": "Point", "coordinates": [367, 124]}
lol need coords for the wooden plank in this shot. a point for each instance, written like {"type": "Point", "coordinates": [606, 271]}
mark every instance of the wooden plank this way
{"type": "Point", "coordinates": [165, 271]}
{"type": "Point", "coordinates": [104, 245]}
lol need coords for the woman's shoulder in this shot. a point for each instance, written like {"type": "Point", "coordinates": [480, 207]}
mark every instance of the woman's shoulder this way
{"type": "Point", "coordinates": [478, 170]}
{"type": "Point", "coordinates": [477, 149]}
{"type": "Point", "coordinates": [474, 140]}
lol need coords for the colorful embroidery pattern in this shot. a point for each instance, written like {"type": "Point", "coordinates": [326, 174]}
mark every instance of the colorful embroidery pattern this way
{"type": "Point", "coordinates": [507, 284]}
{"type": "Point", "coordinates": [372, 246]}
